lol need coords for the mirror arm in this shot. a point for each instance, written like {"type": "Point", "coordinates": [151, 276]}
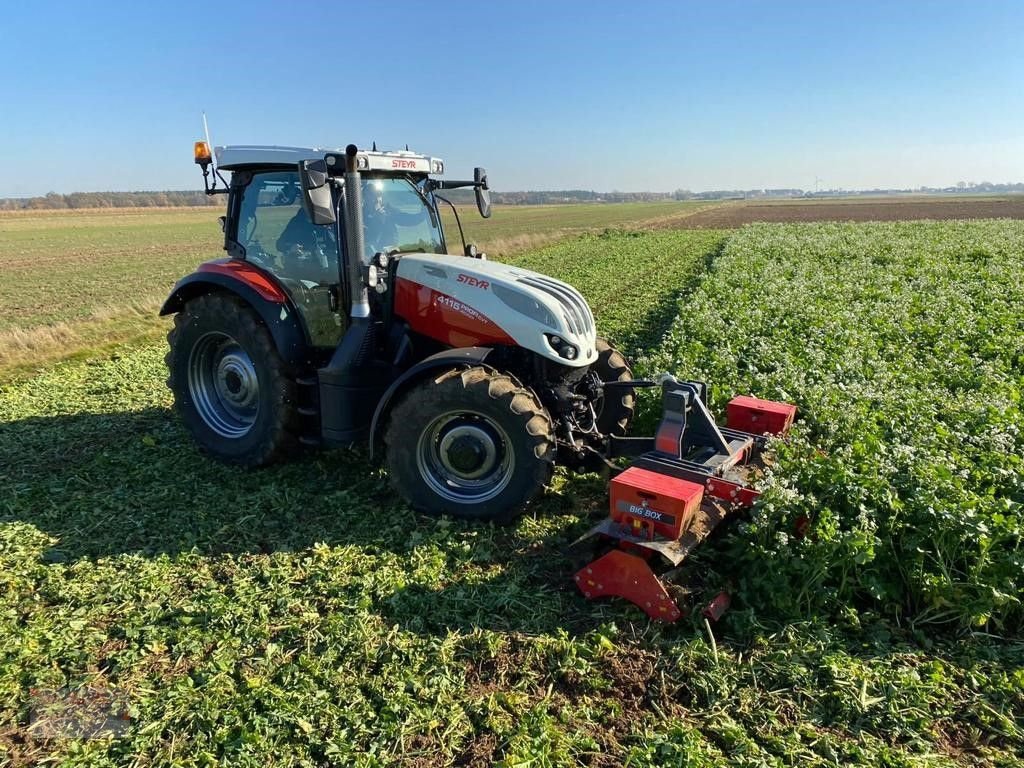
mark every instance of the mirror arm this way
{"type": "Point", "coordinates": [445, 184]}
{"type": "Point", "coordinates": [213, 189]}
{"type": "Point", "coordinates": [457, 219]}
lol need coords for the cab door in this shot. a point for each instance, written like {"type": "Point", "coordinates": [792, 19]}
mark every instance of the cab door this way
{"type": "Point", "coordinates": [278, 236]}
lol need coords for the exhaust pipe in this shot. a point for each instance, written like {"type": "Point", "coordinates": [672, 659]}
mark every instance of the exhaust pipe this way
{"type": "Point", "coordinates": [349, 383]}
{"type": "Point", "coordinates": [354, 241]}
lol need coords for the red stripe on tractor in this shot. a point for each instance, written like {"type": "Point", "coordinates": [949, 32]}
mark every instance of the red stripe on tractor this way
{"type": "Point", "coordinates": [445, 318]}
{"type": "Point", "coordinates": [260, 281]}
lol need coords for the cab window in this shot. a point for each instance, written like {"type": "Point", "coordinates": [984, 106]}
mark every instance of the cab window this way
{"type": "Point", "coordinates": [278, 236]}
{"type": "Point", "coordinates": [396, 217]}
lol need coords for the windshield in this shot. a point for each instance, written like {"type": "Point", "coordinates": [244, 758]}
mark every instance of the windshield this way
{"type": "Point", "coordinates": [396, 216]}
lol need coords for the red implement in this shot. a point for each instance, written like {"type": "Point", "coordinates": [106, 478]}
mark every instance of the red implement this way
{"type": "Point", "coordinates": [652, 504]}
{"type": "Point", "coordinates": [759, 417]}
{"type": "Point", "coordinates": [621, 574]}
{"type": "Point", "coordinates": [685, 481]}
{"type": "Point", "coordinates": [730, 492]}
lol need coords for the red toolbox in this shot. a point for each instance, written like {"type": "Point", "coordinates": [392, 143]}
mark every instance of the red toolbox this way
{"type": "Point", "coordinates": [759, 417]}
{"type": "Point", "coordinates": [649, 500]}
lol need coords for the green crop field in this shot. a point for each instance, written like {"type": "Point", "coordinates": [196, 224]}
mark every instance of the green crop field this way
{"type": "Point", "coordinates": [300, 615]}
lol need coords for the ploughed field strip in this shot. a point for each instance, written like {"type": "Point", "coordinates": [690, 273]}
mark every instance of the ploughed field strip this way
{"type": "Point", "coordinates": [736, 214]}
{"type": "Point", "coordinates": [301, 612]}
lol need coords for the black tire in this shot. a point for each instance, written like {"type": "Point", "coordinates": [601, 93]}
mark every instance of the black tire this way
{"type": "Point", "coordinates": [470, 443]}
{"type": "Point", "coordinates": [231, 388]}
{"type": "Point", "coordinates": [614, 411]}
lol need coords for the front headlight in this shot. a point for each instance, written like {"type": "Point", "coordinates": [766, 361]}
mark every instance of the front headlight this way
{"type": "Point", "coordinates": [562, 347]}
{"type": "Point", "coordinates": [525, 304]}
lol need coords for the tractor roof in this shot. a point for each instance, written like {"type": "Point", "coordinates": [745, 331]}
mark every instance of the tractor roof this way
{"type": "Point", "coordinates": [251, 156]}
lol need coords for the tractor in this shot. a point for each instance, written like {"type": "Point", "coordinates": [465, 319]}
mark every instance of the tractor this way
{"type": "Point", "coordinates": [339, 318]}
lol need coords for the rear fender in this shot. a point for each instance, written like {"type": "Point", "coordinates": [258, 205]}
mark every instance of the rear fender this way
{"type": "Point", "coordinates": [465, 357]}
{"type": "Point", "coordinates": [257, 288]}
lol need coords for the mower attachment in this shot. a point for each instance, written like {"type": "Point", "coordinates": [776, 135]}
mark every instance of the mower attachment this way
{"type": "Point", "coordinates": [687, 479]}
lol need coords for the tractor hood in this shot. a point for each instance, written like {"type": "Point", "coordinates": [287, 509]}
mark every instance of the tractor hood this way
{"type": "Point", "coordinates": [468, 302]}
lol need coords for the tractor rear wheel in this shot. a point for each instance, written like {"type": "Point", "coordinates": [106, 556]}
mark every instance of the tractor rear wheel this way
{"type": "Point", "coordinates": [230, 386]}
{"type": "Point", "coordinates": [614, 410]}
{"type": "Point", "coordinates": [471, 443]}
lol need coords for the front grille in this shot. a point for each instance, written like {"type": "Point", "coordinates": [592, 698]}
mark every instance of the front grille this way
{"type": "Point", "coordinates": [575, 310]}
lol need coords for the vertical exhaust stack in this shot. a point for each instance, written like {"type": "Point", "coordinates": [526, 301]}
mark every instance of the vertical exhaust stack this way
{"type": "Point", "coordinates": [349, 382]}
{"type": "Point", "coordinates": [354, 241]}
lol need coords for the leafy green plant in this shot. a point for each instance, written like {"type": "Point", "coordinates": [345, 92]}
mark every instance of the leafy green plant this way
{"type": "Point", "coordinates": [903, 346]}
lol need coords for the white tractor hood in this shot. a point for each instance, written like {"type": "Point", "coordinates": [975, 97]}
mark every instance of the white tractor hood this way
{"type": "Point", "coordinates": [534, 311]}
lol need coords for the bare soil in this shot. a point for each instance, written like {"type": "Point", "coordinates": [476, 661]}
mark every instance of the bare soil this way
{"type": "Point", "coordinates": [865, 209]}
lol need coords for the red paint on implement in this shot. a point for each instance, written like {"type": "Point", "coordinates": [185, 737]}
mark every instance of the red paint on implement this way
{"type": "Point", "coordinates": [729, 492]}
{"type": "Point", "coordinates": [717, 607]}
{"type": "Point", "coordinates": [751, 414]}
{"type": "Point", "coordinates": [444, 318]}
{"type": "Point", "coordinates": [620, 574]}
{"type": "Point", "coordinates": [262, 282]}
{"type": "Point", "coordinates": [660, 504]}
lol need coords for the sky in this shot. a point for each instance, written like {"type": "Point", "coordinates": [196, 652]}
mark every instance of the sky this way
{"type": "Point", "coordinates": [629, 96]}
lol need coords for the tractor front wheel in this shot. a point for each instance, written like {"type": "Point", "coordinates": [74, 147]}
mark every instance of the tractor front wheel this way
{"type": "Point", "coordinates": [614, 410]}
{"type": "Point", "coordinates": [470, 443]}
{"type": "Point", "coordinates": [230, 386]}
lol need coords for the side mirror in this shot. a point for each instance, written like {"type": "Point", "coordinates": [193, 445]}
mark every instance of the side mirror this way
{"type": "Point", "coordinates": [483, 194]}
{"type": "Point", "coordinates": [316, 193]}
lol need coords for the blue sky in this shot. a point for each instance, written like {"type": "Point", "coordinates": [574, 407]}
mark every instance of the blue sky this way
{"type": "Point", "coordinates": [547, 95]}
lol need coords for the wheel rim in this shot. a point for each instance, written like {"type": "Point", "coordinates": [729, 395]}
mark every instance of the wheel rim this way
{"type": "Point", "coordinates": [465, 457]}
{"type": "Point", "coordinates": [223, 384]}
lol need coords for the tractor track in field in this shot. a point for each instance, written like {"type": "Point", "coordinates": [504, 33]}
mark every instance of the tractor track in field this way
{"type": "Point", "coordinates": [663, 312]}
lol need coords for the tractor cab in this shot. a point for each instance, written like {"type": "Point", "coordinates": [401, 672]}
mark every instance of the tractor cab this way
{"type": "Point", "coordinates": [273, 221]}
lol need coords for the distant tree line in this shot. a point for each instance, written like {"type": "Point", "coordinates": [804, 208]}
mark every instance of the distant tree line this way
{"type": "Point", "coordinates": [55, 201]}
{"type": "Point", "coordinates": [179, 198]}
{"type": "Point", "coordinates": [548, 197]}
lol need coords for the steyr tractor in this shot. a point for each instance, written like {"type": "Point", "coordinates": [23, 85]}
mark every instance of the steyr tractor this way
{"type": "Point", "coordinates": [339, 318]}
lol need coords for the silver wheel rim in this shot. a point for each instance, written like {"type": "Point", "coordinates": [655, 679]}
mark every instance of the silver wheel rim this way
{"type": "Point", "coordinates": [465, 457]}
{"type": "Point", "coordinates": [223, 384]}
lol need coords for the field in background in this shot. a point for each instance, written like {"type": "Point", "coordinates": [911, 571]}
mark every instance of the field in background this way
{"type": "Point", "coordinates": [77, 282]}
{"type": "Point", "coordinates": [72, 282]}
{"type": "Point", "coordinates": [300, 612]}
